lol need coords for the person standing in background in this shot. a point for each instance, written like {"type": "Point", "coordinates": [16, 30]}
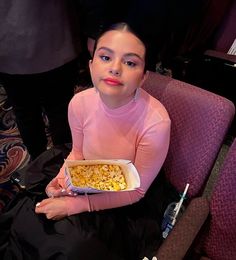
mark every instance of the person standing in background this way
{"type": "Point", "coordinates": [40, 47]}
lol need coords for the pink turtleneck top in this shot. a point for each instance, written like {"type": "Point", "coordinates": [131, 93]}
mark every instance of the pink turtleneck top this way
{"type": "Point", "coordinates": [138, 131]}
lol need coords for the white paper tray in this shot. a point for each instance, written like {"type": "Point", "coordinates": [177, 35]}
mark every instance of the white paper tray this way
{"type": "Point", "coordinates": [129, 170]}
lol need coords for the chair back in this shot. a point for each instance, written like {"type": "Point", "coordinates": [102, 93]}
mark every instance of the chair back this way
{"type": "Point", "coordinates": [199, 124]}
{"type": "Point", "coordinates": [220, 241]}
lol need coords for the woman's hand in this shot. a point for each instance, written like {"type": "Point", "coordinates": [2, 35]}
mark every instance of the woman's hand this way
{"type": "Point", "coordinates": [53, 208]}
{"type": "Point", "coordinates": [54, 189]}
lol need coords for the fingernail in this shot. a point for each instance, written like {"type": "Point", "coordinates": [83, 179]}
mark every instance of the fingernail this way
{"type": "Point", "coordinates": [63, 190]}
{"type": "Point", "coordinates": [38, 204]}
{"type": "Point", "coordinates": [50, 195]}
{"type": "Point", "coordinates": [69, 193]}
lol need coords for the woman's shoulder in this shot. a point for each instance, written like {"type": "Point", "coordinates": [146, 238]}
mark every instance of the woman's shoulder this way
{"type": "Point", "coordinates": [85, 95]}
{"type": "Point", "coordinates": [84, 100]}
{"type": "Point", "coordinates": [154, 105]}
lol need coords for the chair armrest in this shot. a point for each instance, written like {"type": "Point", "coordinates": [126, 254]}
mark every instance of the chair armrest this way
{"type": "Point", "coordinates": [225, 57]}
{"type": "Point", "coordinates": [176, 245]}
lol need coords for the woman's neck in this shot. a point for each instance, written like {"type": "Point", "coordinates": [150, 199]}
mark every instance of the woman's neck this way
{"type": "Point", "coordinates": [116, 102]}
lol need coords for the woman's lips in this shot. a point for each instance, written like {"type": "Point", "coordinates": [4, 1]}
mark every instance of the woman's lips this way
{"type": "Point", "coordinates": [112, 82]}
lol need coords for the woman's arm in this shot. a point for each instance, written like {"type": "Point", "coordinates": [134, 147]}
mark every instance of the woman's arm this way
{"type": "Point", "coordinates": [150, 156]}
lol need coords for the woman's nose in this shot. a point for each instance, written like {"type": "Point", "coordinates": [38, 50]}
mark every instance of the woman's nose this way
{"type": "Point", "coordinates": [115, 68]}
{"type": "Point", "coordinates": [114, 72]}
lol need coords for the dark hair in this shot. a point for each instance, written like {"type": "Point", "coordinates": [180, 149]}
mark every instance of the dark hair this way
{"type": "Point", "coordinates": [122, 26]}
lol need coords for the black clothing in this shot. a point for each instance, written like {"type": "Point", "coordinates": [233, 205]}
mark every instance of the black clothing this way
{"type": "Point", "coordinates": [31, 94]}
{"type": "Point", "coordinates": [42, 49]}
{"type": "Point", "coordinates": [130, 232]}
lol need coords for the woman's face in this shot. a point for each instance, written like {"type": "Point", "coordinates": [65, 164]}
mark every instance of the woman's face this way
{"type": "Point", "coordinates": [117, 68]}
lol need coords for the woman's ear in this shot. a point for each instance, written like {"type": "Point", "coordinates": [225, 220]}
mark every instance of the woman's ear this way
{"type": "Point", "coordinates": [145, 75]}
{"type": "Point", "coordinates": [90, 63]}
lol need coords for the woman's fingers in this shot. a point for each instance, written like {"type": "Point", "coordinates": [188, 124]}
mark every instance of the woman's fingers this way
{"type": "Point", "coordinates": [54, 182]}
{"type": "Point", "coordinates": [54, 189]}
{"type": "Point", "coordinates": [53, 193]}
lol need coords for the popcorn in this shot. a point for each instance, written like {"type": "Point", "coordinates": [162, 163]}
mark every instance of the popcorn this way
{"type": "Point", "coordinates": [101, 177]}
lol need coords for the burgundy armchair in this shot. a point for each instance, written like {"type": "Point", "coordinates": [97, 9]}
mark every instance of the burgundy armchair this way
{"type": "Point", "coordinates": [219, 242]}
{"type": "Point", "coordinates": [200, 123]}
{"type": "Point", "coordinates": [207, 230]}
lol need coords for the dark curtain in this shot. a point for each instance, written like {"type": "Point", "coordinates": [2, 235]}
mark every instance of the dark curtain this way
{"type": "Point", "coordinates": [172, 28]}
{"type": "Point", "coordinates": [201, 32]}
{"type": "Point", "coordinates": [180, 16]}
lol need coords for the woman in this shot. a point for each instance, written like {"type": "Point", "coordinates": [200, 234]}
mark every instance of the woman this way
{"type": "Point", "coordinates": [115, 110]}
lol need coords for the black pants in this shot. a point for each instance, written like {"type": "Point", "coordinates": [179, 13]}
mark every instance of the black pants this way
{"type": "Point", "coordinates": [49, 92]}
{"type": "Point", "coordinates": [125, 233]}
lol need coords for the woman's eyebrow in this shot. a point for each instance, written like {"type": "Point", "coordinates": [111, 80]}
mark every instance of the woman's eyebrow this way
{"type": "Point", "coordinates": [106, 49]}
{"type": "Point", "coordinates": [130, 54]}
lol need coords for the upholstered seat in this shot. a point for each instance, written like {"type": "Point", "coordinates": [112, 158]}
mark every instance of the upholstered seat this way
{"type": "Point", "coordinates": [200, 121]}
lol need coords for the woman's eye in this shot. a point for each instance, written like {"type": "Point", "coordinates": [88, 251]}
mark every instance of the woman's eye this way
{"type": "Point", "coordinates": [130, 63]}
{"type": "Point", "coordinates": [105, 58]}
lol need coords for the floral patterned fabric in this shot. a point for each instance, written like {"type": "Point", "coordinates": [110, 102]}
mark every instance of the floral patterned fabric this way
{"type": "Point", "coordinates": [13, 153]}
